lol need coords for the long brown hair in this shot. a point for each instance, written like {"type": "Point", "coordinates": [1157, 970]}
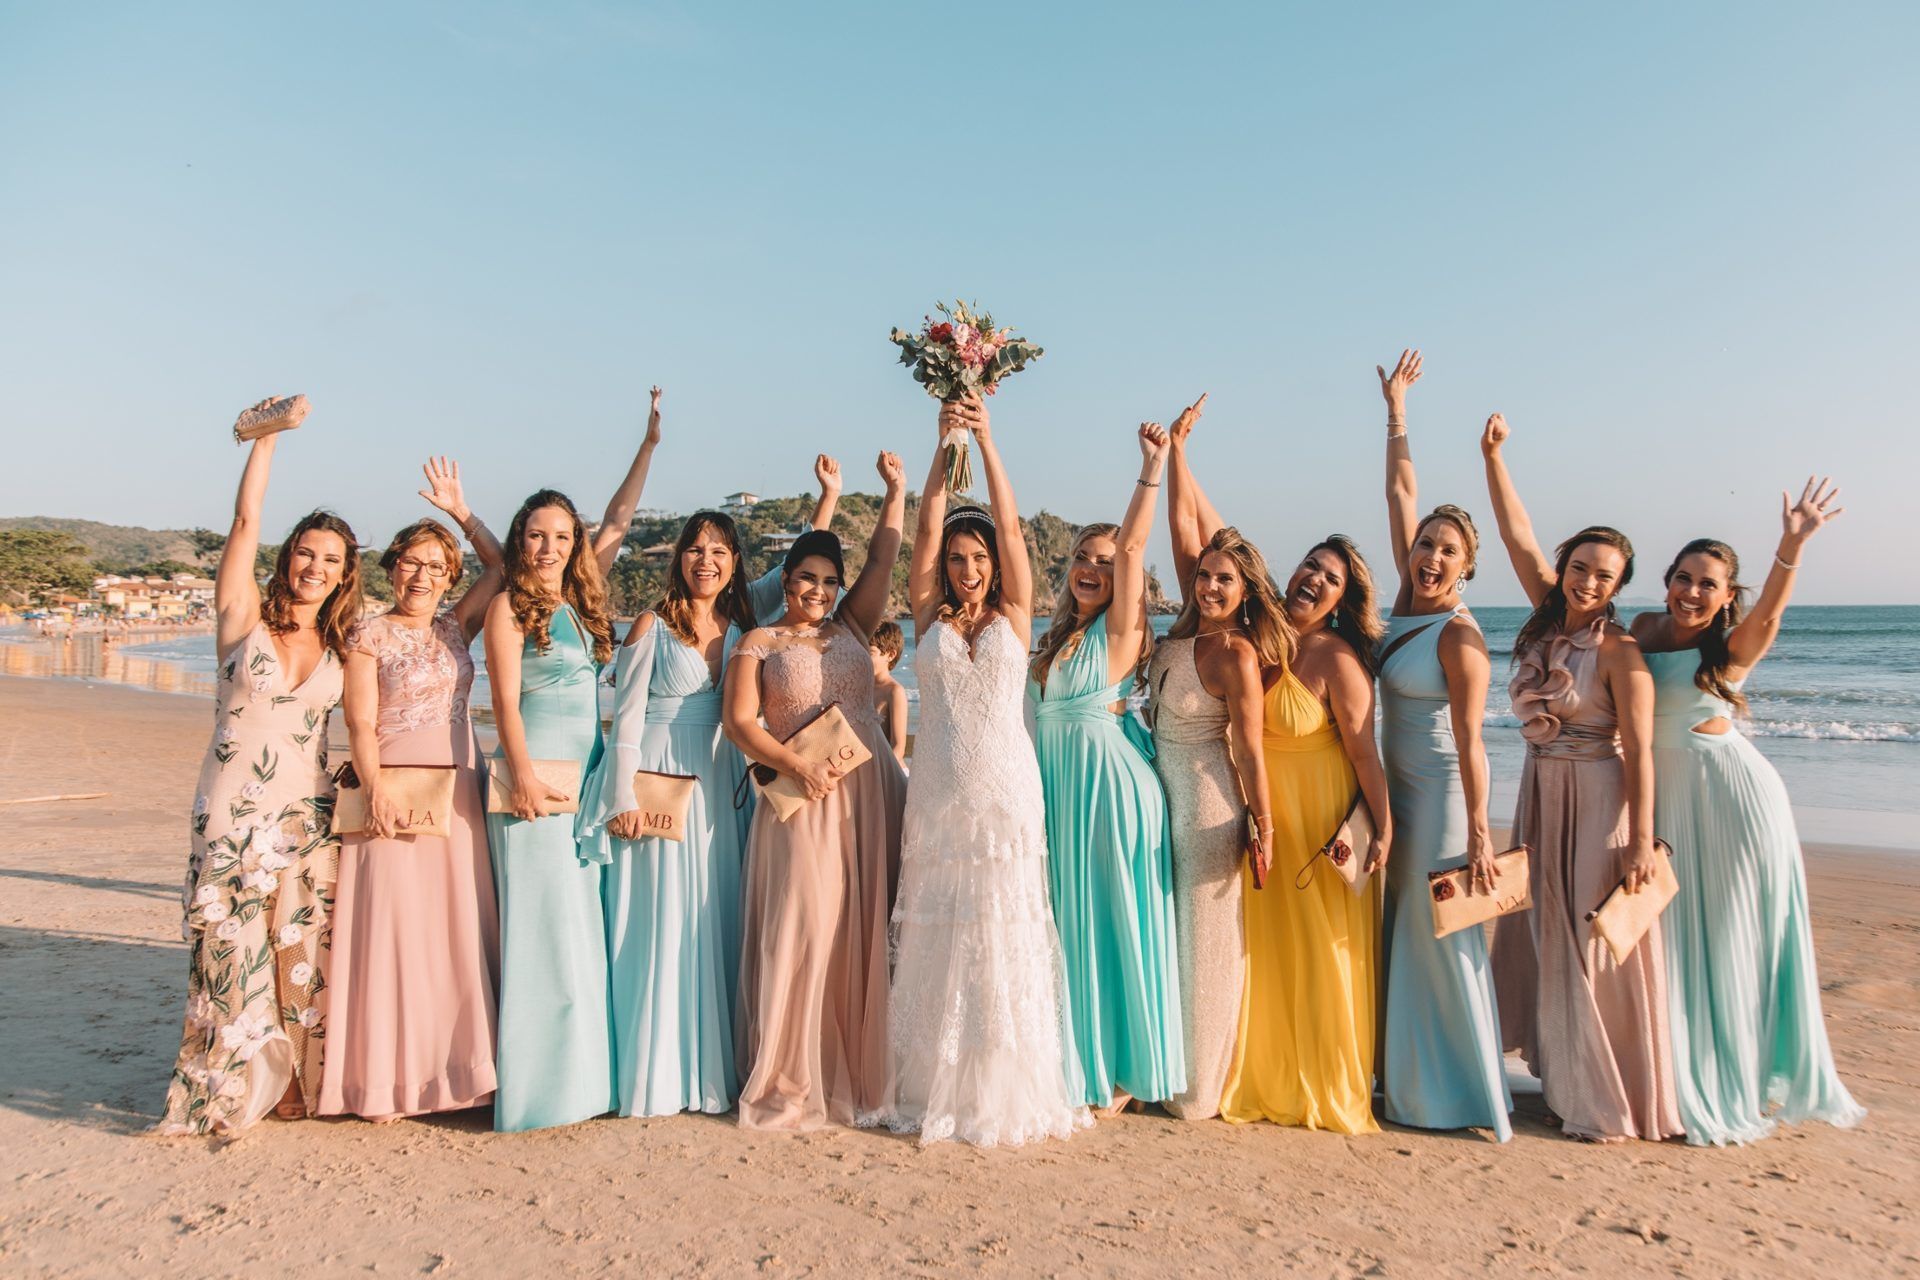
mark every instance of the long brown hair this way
{"type": "Point", "coordinates": [1263, 618]}
{"type": "Point", "coordinates": [1715, 658]}
{"type": "Point", "coordinates": [976, 521]}
{"type": "Point", "coordinates": [1356, 619]}
{"type": "Point", "coordinates": [340, 610]}
{"type": "Point", "coordinates": [1551, 613]}
{"type": "Point", "coordinates": [581, 585]}
{"type": "Point", "coordinates": [675, 606]}
{"type": "Point", "coordinates": [1068, 628]}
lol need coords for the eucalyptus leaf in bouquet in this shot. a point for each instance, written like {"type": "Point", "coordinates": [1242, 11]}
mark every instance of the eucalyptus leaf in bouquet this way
{"type": "Point", "coordinates": [963, 353]}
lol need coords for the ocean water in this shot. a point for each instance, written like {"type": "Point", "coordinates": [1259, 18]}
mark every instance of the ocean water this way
{"type": "Point", "coordinates": [1835, 706]}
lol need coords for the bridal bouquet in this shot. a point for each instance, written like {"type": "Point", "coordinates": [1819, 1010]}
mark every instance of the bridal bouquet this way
{"type": "Point", "coordinates": [959, 354]}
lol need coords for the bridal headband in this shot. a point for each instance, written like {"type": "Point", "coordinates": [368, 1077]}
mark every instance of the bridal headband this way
{"type": "Point", "coordinates": [977, 514]}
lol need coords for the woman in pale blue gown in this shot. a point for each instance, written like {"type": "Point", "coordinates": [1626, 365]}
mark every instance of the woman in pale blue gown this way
{"type": "Point", "coordinates": [1110, 862]}
{"type": "Point", "coordinates": [673, 909]}
{"type": "Point", "coordinates": [1440, 1056]}
{"type": "Point", "coordinates": [547, 635]}
{"type": "Point", "coordinates": [1749, 1041]}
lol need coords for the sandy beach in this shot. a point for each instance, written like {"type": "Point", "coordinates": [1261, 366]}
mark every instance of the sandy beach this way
{"type": "Point", "coordinates": [90, 1014]}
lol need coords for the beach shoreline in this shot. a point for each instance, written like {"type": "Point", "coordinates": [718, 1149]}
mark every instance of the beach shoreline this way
{"type": "Point", "coordinates": [89, 940]}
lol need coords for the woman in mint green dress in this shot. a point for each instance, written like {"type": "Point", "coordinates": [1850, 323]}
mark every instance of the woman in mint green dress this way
{"type": "Point", "coordinates": [547, 636]}
{"type": "Point", "coordinates": [1109, 850]}
{"type": "Point", "coordinates": [1749, 1041]}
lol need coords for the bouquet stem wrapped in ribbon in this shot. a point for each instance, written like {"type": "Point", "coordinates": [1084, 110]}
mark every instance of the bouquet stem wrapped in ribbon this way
{"type": "Point", "coordinates": [961, 354]}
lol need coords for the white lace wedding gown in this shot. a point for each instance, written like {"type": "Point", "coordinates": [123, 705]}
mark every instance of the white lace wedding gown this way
{"type": "Point", "coordinates": [981, 1051]}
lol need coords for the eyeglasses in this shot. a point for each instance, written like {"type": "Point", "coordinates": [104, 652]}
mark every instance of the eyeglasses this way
{"type": "Point", "coordinates": [432, 568]}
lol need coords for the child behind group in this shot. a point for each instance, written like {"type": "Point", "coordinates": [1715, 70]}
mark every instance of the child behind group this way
{"type": "Point", "coordinates": [889, 695]}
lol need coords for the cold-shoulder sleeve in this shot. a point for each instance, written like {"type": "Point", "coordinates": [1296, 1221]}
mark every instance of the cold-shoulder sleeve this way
{"type": "Point", "coordinates": [766, 597]}
{"type": "Point", "coordinates": [608, 790]}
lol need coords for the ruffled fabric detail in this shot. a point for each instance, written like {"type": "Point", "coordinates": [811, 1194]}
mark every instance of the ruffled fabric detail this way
{"type": "Point", "coordinates": [1544, 689]}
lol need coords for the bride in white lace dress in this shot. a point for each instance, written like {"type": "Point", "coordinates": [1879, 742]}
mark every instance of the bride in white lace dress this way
{"type": "Point", "coordinates": [981, 1050]}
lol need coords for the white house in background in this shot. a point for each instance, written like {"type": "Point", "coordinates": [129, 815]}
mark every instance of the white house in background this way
{"type": "Point", "coordinates": [780, 543]}
{"type": "Point", "coordinates": [738, 504]}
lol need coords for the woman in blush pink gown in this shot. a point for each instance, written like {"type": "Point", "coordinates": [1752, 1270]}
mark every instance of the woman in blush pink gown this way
{"type": "Point", "coordinates": [416, 936]}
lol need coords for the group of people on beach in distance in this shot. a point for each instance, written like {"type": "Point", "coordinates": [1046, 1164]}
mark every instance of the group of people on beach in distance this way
{"type": "Point", "coordinates": [1069, 911]}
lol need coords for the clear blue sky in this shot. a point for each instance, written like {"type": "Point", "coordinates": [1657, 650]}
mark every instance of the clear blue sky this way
{"type": "Point", "coordinates": [1674, 244]}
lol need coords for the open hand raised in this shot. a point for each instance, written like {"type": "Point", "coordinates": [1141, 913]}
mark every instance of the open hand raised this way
{"type": "Point", "coordinates": [1801, 520]}
{"type": "Point", "coordinates": [443, 488]}
{"type": "Point", "coordinates": [1394, 385]}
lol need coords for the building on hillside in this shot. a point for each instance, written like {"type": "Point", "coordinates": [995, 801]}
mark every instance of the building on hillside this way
{"type": "Point", "coordinates": [658, 553]}
{"type": "Point", "coordinates": [780, 543]}
{"type": "Point", "coordinates": [739, 504]}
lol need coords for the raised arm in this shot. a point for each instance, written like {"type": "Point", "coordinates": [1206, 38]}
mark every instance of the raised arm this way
{"type": "Point", "coordinates": [1183, 511]}
{"type": "Point", "coordinates": [613, 525]}
{"type": "Point", "coordinates": [1350, 695]}
{"type": "Point", "coordinates": [1532, 565]}
{"type": "Point", "coordinates": [923, 574]}
{"type": "Point", "coordinates": [1403, 492]}
{"type": "Point", "coordinates": [1799, 521]}
{"type": "Point", "coordinates": [1016, 570]}
{"type": "Point", "coordinates": [1468, 670]}
{"type": "Point", "coordinates": [827, 471]}
{"type": "Point", "coordinates": [236, 593]}
{"type": "Point", "coordinates": [1127, 615]}
{"type": "Point", "coordinates": [867, 597]}
{"type": "Point", "coordinates": [443, 491]}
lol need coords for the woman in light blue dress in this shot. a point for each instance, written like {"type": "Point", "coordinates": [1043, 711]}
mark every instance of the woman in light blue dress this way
{"type": "Point", "coordinates": [1110, 860]}
{"type": "Point", "coordinates": [547, 636]}
{"type": "Point", "coordinates": [1440, 1057]}
{"type": "Point", "coordinates": [1749, 1041]}
{"type": "Point", "coordinates": [673, 908]}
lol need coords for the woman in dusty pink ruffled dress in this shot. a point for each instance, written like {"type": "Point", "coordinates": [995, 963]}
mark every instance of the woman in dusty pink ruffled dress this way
{"type": "Point", "coordinates": [1594, 1031]}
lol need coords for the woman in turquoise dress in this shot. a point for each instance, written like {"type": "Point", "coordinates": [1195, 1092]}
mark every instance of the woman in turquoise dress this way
{"type": "Point", "coordinates": [547, 635]}
{"type": "Point", "coordinates": [1749, 1041]}
{"type": "Point", "coordinates": [1441, 1064]}
{"type": "Point", "coordinates": [1110, 854]}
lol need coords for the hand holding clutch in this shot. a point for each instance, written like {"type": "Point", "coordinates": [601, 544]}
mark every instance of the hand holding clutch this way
{"type": "Point", "coordinates": [1624, 918]}
{"type": "Point", "coordinates": [270, 416]}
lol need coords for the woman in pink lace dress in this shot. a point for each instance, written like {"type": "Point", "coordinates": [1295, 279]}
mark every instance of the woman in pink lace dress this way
{"type": "Point", "coordinates": [415, 934]}
{"type": "Point", "coordinates": [812, 1033]}
{"type": "Point", "coordinates": [1594, 1031]}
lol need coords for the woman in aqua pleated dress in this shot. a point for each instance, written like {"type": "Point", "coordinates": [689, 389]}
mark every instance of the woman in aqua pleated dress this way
{"type": "Point", "coordinates": [1749, 1041]}
{"type": "Point", "coordinates": [547, 635]}
{"type": "Point", "coordinates": [1441, 1063]}
{"type": "Point", "coordinates": [1109, 851]}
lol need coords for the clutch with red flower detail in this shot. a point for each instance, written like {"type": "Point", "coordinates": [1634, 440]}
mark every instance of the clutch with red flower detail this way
{"type": "Point", "coordinates": [1455, 908]}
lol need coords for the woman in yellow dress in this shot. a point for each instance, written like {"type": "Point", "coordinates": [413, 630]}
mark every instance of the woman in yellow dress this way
{"type": "Point", "coordinates": [1304, 1054]}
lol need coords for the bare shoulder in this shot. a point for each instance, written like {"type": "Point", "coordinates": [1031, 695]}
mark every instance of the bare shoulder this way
{"type": "Point", "coordinates": [500, 612]}
{"type": "Point", "coordinates": [641, 628]}
{"type": "Point", "coordinates": [1619, 648]}
{"type": "Point", "coordinates": [1462, 635]}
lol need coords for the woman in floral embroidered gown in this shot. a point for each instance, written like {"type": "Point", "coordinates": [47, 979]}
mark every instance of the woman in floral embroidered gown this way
{"type": "Point", "coordinates": [260, 879]}
{"type": "Point", "coordinates": [416, 937]}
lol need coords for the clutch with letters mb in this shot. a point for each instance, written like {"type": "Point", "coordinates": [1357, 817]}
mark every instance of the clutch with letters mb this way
{"type": "Point", "coordinates": [1624, 918]}
{"type": "Point", "coordinates": [662, 801]}
{"type": "Point", "coordinates": [422, 796]}
{"type": "Point", "coordinates": [827, 738]}
{"type": "Point", "coordinates": [1455, 909]}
